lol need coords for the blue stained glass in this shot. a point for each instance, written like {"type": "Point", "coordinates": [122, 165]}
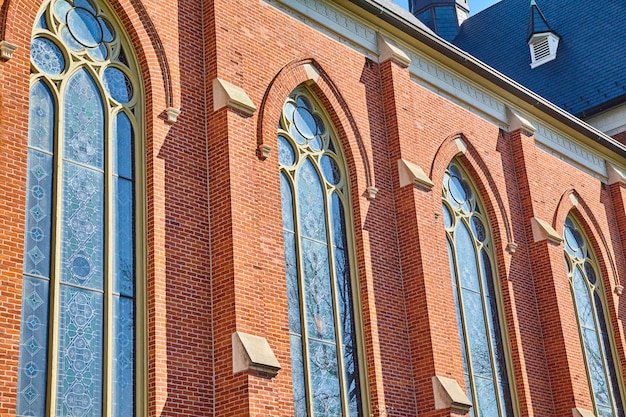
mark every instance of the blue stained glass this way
{"type": "Point", "coordinates": [305, 123]}
{"type": "Point", "coordinates": [447, 217]}
{"type": "Point", "coordinates": [477, 334]}
{"type": "Point", "coordinates": [61, 7]}
{"type": "Point", "coordinates": [458, 189]}
{"type": "Point", "coordinates": [33, 362]}
{"type": "Point", "coordinates": [331, 170]}
{"type": "Point", "coordinates": [293, 291]}
{"type": "Point", "coordinates": [287, 203]}
{"type": "Point", "coordinates": [318, 297]}
{"type": "Point", "coordinates": [123, 356]}
{"type": "Point", "coordinates": [118, 85]}
{"type": "Point", "coordinates": [324, 379]}
{"type": "Point", "coordinates": [496, 334]}
{"type": "Point", "coordinates": [466, 258]}
{"type": "Point", "coordinates": [297, 376]}
{"type": "Point", "coordinates": [84, 26]}
{"type": "Point", "coordinates": [608, 355]}
{"type": "Point", "coordinates": [478, 229]}
{"type": "Point", "coordinates": [311, 203]}
{"type": "Point", "coordinates": [82, 235]}
{"type": "Point", "coordinates": [99, 53]}
{"type": "Point", "coordinates": [338, 222]}
{"type": "Point", "coordinates": [583, 302]}
{"type": "Point", "coordinates": [295, 134]}
{"type": "Point", "coordinates": [41, 23]}
{"type": "Point", "coordinates": [123, 132]}
{"type": "Point", "coordinates": [348, 331]}
{"type": "Point", "coordinates": [596, 367]}
{"type": "Point", "coordinates": [41, 118]}
{"type": "Point", "coordinates": [124, 243]}
{"type": "Point", "coordinates": [590, 273]}
{"type": "Point", "coordinates": [286, 154]}
{"type": "Point", "coordinates": [47, 56]}
{"type": "Point", "coordinates": [84, 121]}
{"type": "Point", "coordinates": [69, 41]}
{"type": "Point", "coordinates": [79, 387]}
{"type": "Point", "coordinates": [304, 102]}
{"type": "Point", "coordinates": [316, 143]}
{"type": "Point", "coordinates": [108, 34]}
{"type": "Point", "coordinates": [85, 4]}
{"type": "Point", "coordinates": [486, 396]}
{"type": "Point", "coordinates": [38, 214]}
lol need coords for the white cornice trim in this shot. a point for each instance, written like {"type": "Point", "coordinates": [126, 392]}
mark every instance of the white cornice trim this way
{"type": "Point", "coordinates": [610, 122]}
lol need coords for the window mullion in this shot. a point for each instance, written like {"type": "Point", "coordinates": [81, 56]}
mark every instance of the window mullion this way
{"type": "Point", "coordinates": [107, 346]}
{"type": "Point", "coordinates": [55, 255]}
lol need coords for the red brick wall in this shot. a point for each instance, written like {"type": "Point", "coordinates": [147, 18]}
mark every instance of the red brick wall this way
{"type": "Point", "coordinates": [214, 234]}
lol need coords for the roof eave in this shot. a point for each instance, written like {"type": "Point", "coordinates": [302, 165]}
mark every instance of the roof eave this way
{"type": "Point", "coordinates": [459, 56]}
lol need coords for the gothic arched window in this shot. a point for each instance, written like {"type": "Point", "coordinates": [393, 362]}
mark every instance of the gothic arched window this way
{"type": "Point", "coordinates": [77, 349]}
{"type": "Point", "coordinates": [470, 250]}
{"type": "Point", "coordinates": [315, 202]}
{"type": "Point", "coordinates": [586, 285]}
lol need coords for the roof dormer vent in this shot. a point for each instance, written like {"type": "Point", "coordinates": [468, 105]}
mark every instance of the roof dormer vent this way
{"type": "Point", "coordinates": [542, 40]}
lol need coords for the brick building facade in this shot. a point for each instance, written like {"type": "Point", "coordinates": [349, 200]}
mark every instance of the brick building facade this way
{"type": "Point", "coordinates": [209, 82]}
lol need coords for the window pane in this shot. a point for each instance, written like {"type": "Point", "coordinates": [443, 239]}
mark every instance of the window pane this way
{"type": "Point", "coordinates": [311, 203]}
{"type": "Point", "coordinates": [79, 387]}
{"type": "Point", "coordinates": [83, 218]}
{"type": "Point", "coordinates": [38, 214]}
{"type": "Point", "coordinates": [41, 118]}
{"type": "Point", "coordinates": [324, 379]}
{"type": "Point", "coordinates": [123, 356]}
{"type": "Point", "coordinates": [33, 360]}
{"type": "Point", "coordinates": [84, 121]}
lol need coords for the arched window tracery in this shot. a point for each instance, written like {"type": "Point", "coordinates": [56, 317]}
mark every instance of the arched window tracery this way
{"type": "Point", "coordinates": [77, 349]}
{"type": "Point", "coordinates": [586, 285]}
{"type": "Point", "coordinates": [472, 263]}
{"type": "Point", "coordinates": [320, 278]}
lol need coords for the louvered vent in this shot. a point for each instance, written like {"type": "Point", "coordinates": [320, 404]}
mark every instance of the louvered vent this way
{"type": "Point", "coordinates": [541, 49]}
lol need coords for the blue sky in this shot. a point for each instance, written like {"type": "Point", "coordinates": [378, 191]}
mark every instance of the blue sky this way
{"type": "Point", "coordinates": [475, 5]}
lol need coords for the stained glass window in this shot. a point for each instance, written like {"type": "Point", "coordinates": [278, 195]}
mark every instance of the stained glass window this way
{"type": "Point", "coordinates": [78, 301]}
{"type": "Point", "coordinates": [320, 293]}
{"type": "Point", "coordinates": [586, 285]}
{"type": "Point", "coordinates": [470, 250]}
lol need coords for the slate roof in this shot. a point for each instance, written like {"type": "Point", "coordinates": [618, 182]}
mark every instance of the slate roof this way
{"type": "Point", "coordinates": [589, 72]}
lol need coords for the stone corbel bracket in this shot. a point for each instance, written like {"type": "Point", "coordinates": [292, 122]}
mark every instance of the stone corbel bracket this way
{"type": "Point", "coordinates": [370, 193]}
{"type": "Point", "coordinates": [543, 231]}
{"type": "Point", "coordinates": [172, 115]}
{"type": "Point", "coordinates": [448, 394]}
{"type": "Point", "coordinates": [226, 94]}
{"type": "Point", "coordinates": [579, 412]}
{"type": "Point", "coordinates": [6, 50]}
{"type": "Point", "coordinates": [517, 121]}
{"type": "Point", "coordinates": [410, 173]}
{"type": "Point", "coordinates": [253, 353]}
{"type": "Point", "coordinates": [387, 49]}
{"type": "Point", "coordinates": [616, 175]}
